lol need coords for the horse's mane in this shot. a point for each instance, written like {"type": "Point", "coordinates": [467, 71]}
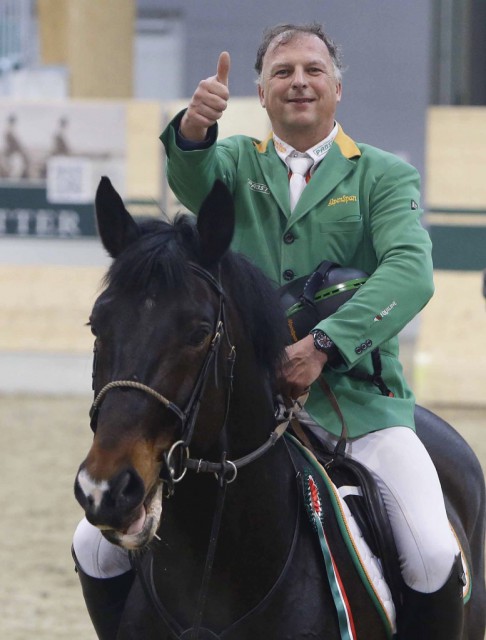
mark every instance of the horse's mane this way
{"type": "Point", "coordinates": [158, 260]}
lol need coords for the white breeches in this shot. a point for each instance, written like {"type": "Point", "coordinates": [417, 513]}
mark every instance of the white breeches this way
{"type": "Point", "coordinates": [411, 492]}
{"type": "Point", "coordinates": [96, 556]}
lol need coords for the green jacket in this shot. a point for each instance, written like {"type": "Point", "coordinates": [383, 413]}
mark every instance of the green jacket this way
{"type": "Point", "coordinates": [360, 209]}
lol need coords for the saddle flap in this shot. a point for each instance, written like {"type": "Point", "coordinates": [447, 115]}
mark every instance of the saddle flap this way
{"type": "Point", "coordinates": [320, 489]}
{"type": "Point", "coordinates": [368, 509]}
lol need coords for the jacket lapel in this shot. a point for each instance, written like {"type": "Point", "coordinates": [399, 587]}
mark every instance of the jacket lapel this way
{"type": "Point", "coordinates": [339, 161]}
{"type": "Point", "coordinates": [275, 173]}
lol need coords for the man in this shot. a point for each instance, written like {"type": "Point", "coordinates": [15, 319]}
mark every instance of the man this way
{"type": "Point", "coordinates": [360, 208]}
{"type": "Point", "coordinates": [357, 206]}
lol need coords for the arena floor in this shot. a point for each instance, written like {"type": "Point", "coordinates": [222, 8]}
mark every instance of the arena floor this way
{"type": "Point", "coordinates": [42, 441]}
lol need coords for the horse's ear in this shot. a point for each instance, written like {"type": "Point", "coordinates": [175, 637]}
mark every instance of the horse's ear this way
{"type": "Point", "coordinates": [216, 224]}
{"type": "Point", "coordinates": [116, 227]}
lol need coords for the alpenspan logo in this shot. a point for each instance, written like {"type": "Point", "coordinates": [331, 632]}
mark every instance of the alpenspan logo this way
{"type": "Point", "coordinates": [255, 186]}
{"type": "Point", "coordinates": [385, 311]}
{"type": "Point", "coordinates": [342, 200]}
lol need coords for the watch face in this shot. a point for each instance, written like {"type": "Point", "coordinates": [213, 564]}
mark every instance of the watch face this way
{"type": "Point", "coordinates": [322, 341]}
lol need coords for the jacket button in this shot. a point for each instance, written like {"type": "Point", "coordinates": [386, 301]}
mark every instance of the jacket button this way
{"type": "Point", "coordinates": [289, 238]}
{"type": "Point", "coordinates": [288, 274]}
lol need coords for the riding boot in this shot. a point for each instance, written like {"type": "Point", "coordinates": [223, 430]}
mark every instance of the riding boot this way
{"type": "Point", "coordinates": [437, 615]}
{"type": "Point", "coordinates": [105, 600]}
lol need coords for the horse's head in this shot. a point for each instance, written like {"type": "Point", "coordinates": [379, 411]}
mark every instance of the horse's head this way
{"type": "Point", "coordinates": [164, 355]}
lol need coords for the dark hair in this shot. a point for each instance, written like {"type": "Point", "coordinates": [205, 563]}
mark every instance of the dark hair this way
{"type": "Point", "coordinates": [289, 31]}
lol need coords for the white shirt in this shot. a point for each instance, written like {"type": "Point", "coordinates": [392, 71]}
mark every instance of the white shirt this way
{"type": "Point", "coordinates": [317, 152]}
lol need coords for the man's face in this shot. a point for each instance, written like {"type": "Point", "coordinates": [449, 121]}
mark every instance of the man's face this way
{"type": "Point", "coordinates": [299, 90]}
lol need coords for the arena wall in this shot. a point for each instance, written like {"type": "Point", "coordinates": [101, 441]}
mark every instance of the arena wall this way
{"type": "Point", "coordinates": [450, 358]}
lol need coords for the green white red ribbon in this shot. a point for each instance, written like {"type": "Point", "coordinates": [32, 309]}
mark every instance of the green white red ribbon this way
{"type": "Point", "coordinates": [343, 609]}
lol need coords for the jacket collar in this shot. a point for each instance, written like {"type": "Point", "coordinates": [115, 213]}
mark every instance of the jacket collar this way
{"type": "Point", "coordinates": [339, 161]}
{"type": "Point", "coordinates": [349, 148]}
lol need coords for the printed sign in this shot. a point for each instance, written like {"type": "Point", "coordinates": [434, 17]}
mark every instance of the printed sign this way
{"type": "Point", "coordinates": [51, 159]}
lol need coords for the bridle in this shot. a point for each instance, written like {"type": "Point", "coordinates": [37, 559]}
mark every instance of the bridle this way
{"type": "Point", "coordinates": [225, 470]}
{"type": "Point", "coordinates": [187, 416]}
{"type": "Point", "coordinates": [172, 472]}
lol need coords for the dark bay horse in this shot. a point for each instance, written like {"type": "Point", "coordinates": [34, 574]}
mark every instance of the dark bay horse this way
{"type": "Point", "coordinates": [188, 338]}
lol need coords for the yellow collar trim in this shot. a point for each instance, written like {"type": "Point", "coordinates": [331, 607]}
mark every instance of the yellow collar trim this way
{"type": "Point", "coordinates": [261, 147]}
{"type": "Point", "coordinates": [347, 145]}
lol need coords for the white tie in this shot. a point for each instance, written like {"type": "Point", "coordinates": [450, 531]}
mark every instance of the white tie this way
{"type": "Point", "coordinates": [299, 167]}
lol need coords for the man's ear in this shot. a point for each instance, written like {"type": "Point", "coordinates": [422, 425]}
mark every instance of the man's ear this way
{"type": "Point", "coordinates": [261, 94]}
{"type": "Point", "coordinates": [339, 91]}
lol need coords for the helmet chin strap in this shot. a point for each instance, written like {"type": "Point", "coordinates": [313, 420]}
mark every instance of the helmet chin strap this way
{"type": "Point", "coordinates": [309, 299]}
{"type": "Point", "coordinates": [314, 283]}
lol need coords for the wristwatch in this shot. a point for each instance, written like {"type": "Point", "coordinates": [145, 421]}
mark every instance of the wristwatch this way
{"type": "Point", "coordinates": [322, 342]}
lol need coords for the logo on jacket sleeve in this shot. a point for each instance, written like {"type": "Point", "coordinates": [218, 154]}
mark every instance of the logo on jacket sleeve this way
{"type": "Point", "coordinates": [385, 311]}
{"type": "Point", "coordinates": [256, 186]}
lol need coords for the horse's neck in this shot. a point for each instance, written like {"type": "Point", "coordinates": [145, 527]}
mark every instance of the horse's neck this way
{"type": "Point", "coordinates": [251, 411]}
{"type": "Point", "coordinates": [265, 483]}
{"type": "Point", "coordinates": [259, 517]}
{"type": "Point", "coordinates": [258, 527]}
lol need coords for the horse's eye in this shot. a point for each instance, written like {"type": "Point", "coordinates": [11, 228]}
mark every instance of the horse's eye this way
{"type": "Point", "coordinates": [199, 335]}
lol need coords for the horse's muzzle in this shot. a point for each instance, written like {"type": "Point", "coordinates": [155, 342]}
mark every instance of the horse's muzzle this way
{"type": "Point", "coordinates": [119, 506]}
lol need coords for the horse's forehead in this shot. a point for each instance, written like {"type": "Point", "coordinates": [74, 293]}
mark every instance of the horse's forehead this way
{"type": "Point", "coordinates": [186, 296]}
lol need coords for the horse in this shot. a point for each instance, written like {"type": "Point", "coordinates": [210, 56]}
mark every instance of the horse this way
{"type": "Point", "coordinates": [187, 468]}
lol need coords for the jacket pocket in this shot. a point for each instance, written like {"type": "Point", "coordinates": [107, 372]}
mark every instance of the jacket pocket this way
{"type": "Point", "coordinates": [344, 226]}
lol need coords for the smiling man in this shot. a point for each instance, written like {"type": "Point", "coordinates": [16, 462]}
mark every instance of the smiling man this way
{"type": "Point", "coordinates": [309, 193]}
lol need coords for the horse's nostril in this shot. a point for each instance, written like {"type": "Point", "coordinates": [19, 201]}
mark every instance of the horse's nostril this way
{"type": "Point", "coordinates": [127, 489]}
{"type": "Point", "coordinates": [121, 483]}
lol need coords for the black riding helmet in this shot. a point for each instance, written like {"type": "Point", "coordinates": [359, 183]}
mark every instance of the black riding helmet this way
{"type": "Point", "coordinates": [308, 300]}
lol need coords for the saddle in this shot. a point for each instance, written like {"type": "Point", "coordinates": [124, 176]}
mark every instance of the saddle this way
{"type": "Point", "coordinates": [367, 507]}
{"type": "Point", "coordinates": [360, 511]}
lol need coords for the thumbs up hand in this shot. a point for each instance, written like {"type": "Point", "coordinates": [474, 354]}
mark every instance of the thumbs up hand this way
{"type": "Point", "coordinates": [208, 102]}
